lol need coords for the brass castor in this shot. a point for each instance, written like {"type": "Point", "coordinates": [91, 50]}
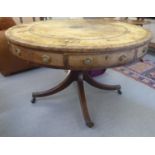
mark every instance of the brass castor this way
{"type": "Point", "coordinates": [33, 100]}
{"type": "Point", "coordinates": [119, 92]}
{"type": "Point", "coordinates": [90, 124]}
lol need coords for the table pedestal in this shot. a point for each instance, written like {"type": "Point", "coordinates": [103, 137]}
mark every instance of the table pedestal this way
{"type": "Point", "coordinates": [79, 77]}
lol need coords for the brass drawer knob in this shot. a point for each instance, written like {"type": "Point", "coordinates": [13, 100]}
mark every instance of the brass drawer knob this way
{"type": "Point", "coordinates": [107, 57]}
{"type": "Point", "coordinates": [18, 52]}
{"type": "Point", "coordinates": [46, 59]}
{"type": "Point", "coordinates": [123, 58]}
{"type": "Point", "coordinates": [88, 61]}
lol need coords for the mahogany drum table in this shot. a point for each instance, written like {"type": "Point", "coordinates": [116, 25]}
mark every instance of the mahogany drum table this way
{"type": "Point", "coordinates": [78, 45]}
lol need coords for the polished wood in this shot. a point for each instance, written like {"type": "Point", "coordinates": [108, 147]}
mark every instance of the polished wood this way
{"type": "Point", "coordinates": [79, 45]}
{"type": "Point", "coordinates": [79, 77]}
{"type": "Point", "coordinates": [96, 84]}
{"type": "Point", "coordinates": [83, 101]}
{"type": "Point", "coordinates": [69, 79]}
{"type": "Point", "coordinates": [79, 61]}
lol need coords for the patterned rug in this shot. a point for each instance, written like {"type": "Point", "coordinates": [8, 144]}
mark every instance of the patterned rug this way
{"type": "Point", "coordinates": [141, 71]}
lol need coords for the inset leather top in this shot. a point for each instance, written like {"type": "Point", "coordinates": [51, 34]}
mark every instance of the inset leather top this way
{"type": "Point", "coordinates": [78, 35]}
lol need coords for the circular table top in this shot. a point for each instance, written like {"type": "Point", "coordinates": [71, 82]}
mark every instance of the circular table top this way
{"type": "Point", "coordinates": [78, 34]}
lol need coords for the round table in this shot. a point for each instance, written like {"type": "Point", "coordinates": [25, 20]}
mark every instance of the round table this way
{"type": "Point", "coordinates": [78, 45]}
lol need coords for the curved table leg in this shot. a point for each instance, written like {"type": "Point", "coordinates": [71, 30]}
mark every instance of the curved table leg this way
{"type": "Point", "coordinates": [79, 77]}
{"type": "Point", "coordinates": [83, 102]}
{"type": "Point", "coordinates": [96, 84]}
{"type": "Point", "coordinates": [68, 80]}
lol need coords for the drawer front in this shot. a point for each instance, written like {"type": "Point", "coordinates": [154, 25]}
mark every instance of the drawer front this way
{"type": "Point", "coordinates": [142, 51]}
{"type": "Point", "coordinates": [39, 57]}
{"type": "Point", "coordinates": [20, 53]}
{"type": "Point", "coordinates": [100, 61]}
{"type": "Point", "coordinates": [79, 61]}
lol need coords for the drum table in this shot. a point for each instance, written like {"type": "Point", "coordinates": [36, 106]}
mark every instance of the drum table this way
{"type": "Point", "coordinates": [78, 45]}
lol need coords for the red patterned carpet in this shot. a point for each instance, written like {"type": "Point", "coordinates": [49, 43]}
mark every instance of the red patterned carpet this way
{"type": "Point", "coordinates": [141, 71]}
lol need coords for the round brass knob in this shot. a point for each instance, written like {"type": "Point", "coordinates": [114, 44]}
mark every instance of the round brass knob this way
{"type": "Point", "coordinates": [46, 59]}
{"type": "Point", "coordinates": [18, 52]}
{"type": "Point", "coordinates": [123, 58]}
{"type": "Point", "coordinates": [106, 57]}
{"type": "Point", "coordinates": [88, 61]}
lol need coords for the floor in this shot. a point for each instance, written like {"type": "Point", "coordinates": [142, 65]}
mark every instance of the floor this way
{"type": "Point", "coordinates": [129, 114]}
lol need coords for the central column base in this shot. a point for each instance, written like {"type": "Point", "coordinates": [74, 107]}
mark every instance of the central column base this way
{"type": "Point", "coordinates": [79, 77]}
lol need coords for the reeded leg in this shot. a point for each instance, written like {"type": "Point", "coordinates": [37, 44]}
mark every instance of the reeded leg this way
{"type": "Point", "coordinates": [68, 80]}
{"type": "Point", "coordinates": [83, 102]}
{"type": "Point", "coordinates": [96, 84]}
